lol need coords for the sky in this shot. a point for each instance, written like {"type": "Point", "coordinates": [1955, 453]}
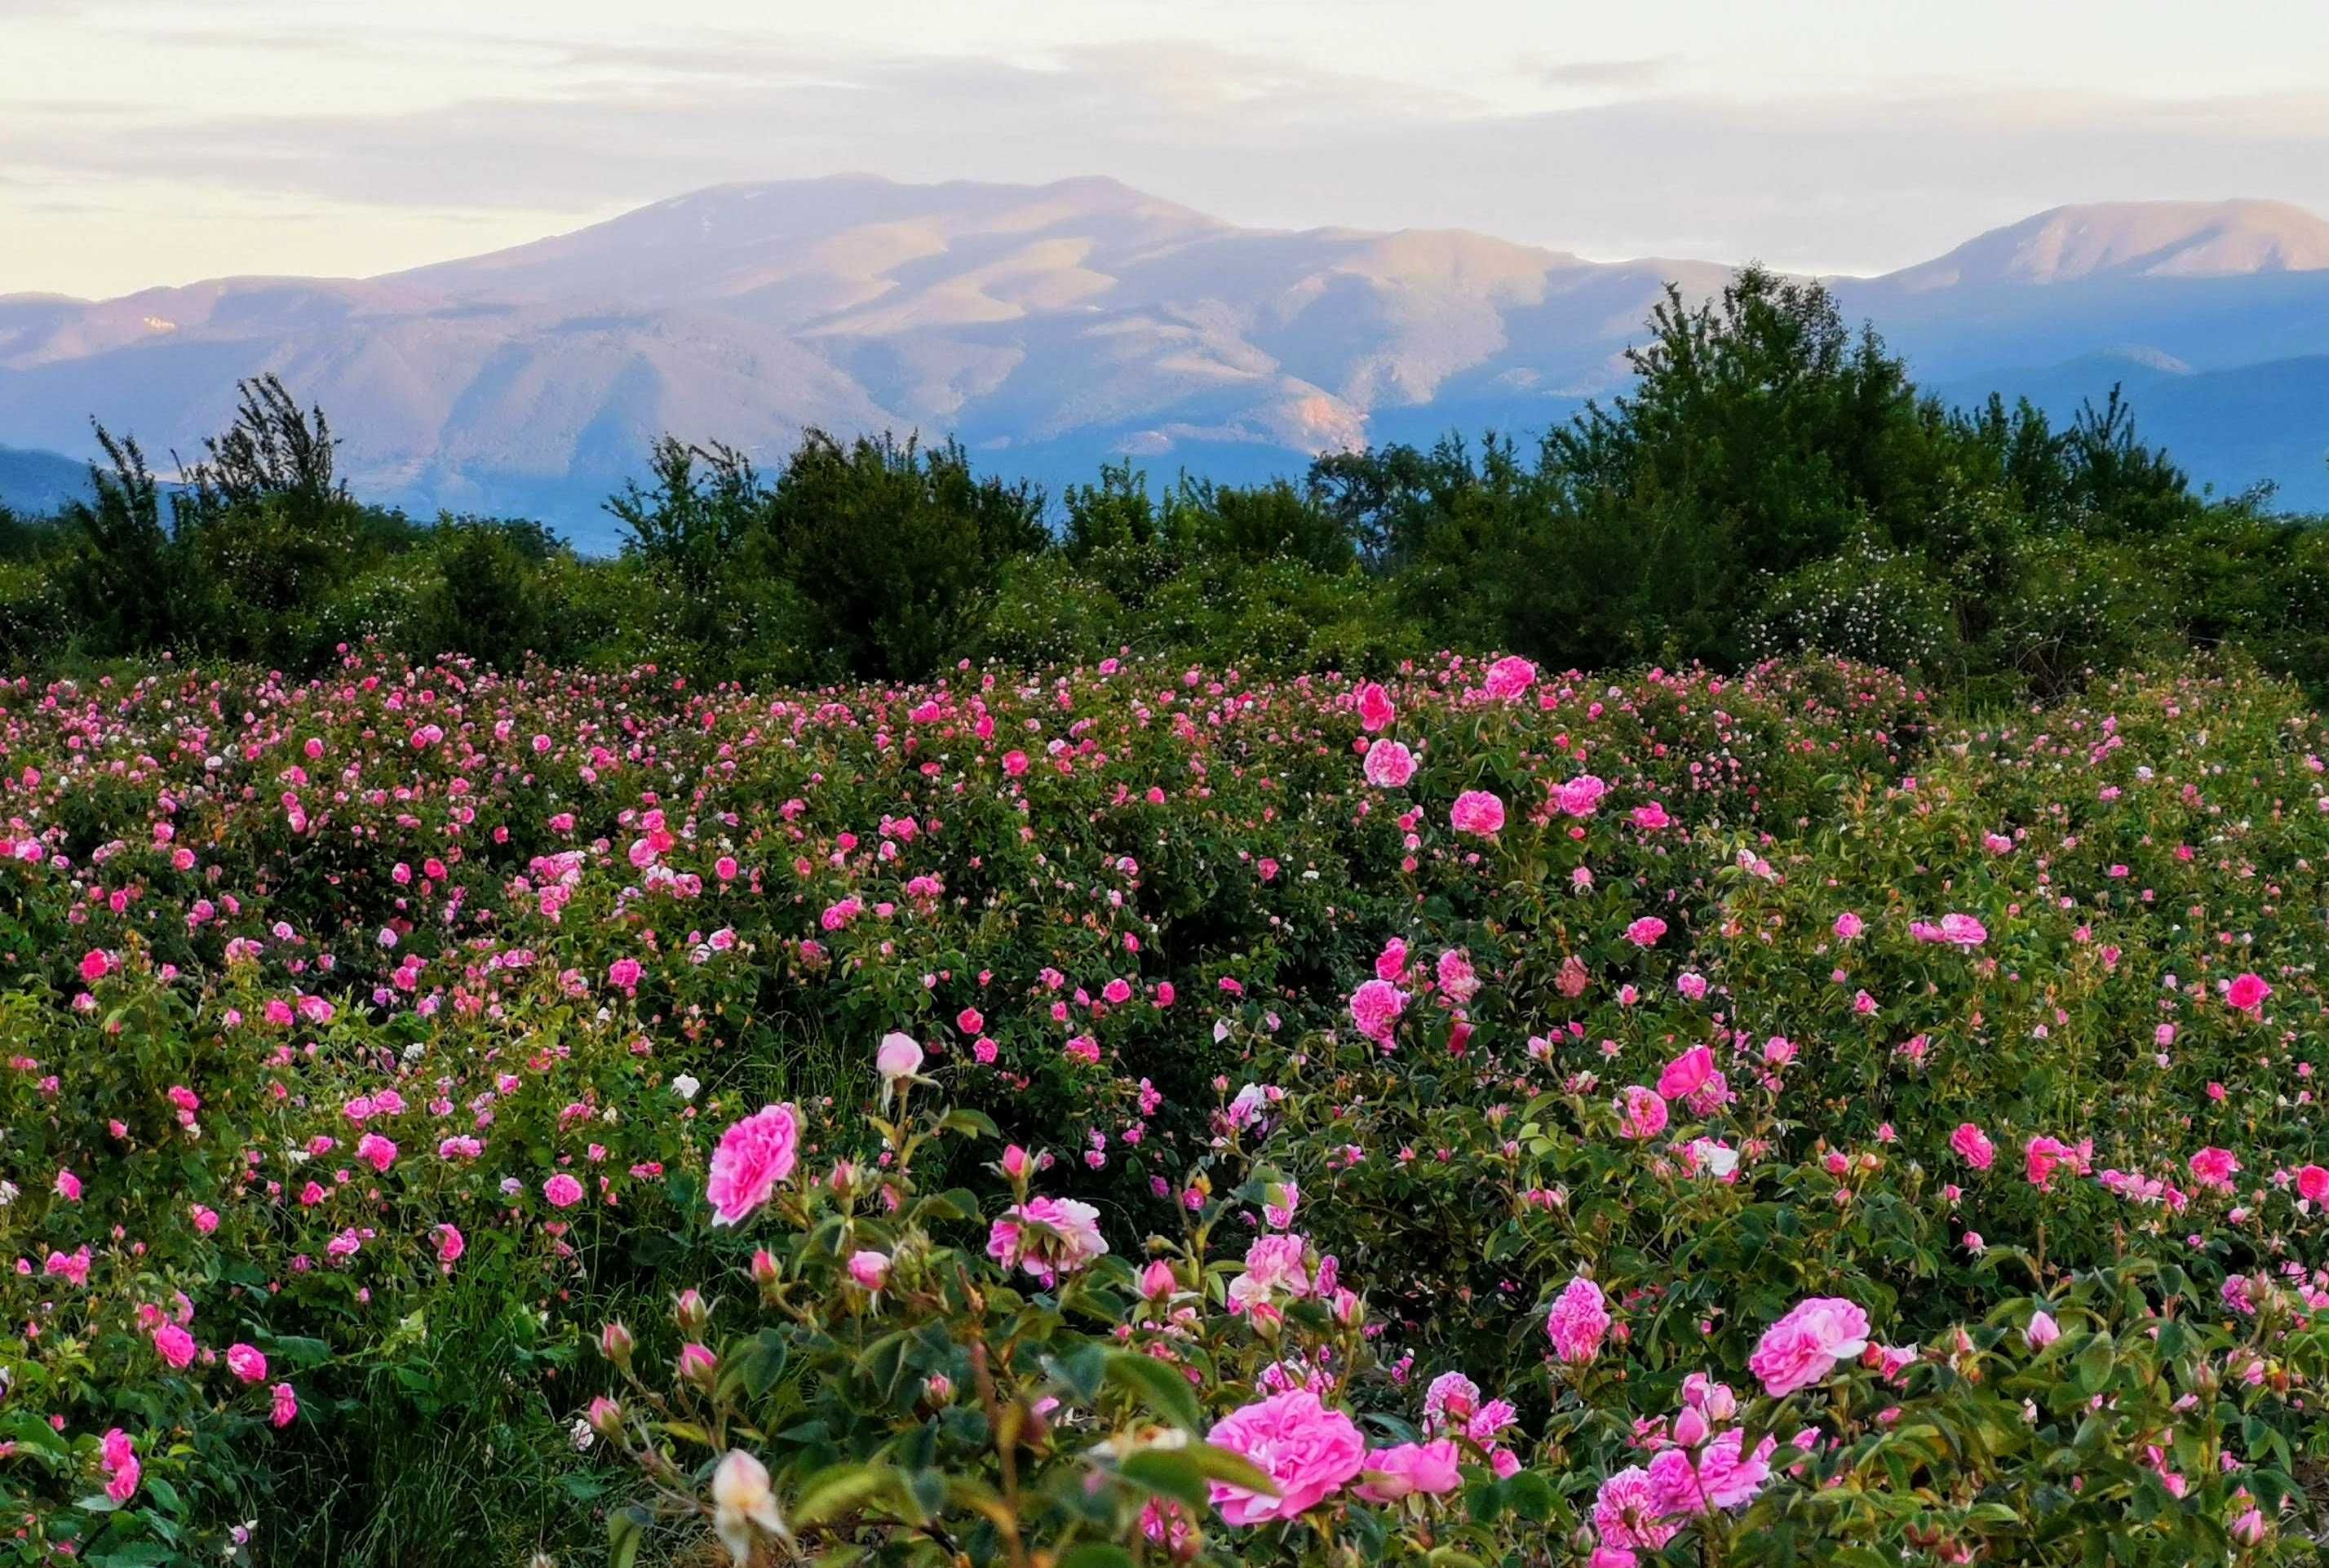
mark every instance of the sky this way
{"type": "Point", "coordinates": [151, 142]}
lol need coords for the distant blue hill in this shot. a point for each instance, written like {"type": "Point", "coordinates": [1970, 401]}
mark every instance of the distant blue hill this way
{"type": "Point", "coordinates": [2230, 430]}
{"type": "Point", "coordinates": [37, 483]}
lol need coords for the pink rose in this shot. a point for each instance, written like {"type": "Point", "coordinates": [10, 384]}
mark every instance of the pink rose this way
{"type": "Point", "coordinates": [1479, 813]}
{"type": "Point", "coordinates": [1509, 677]}
{"type": "Point", "coordinates": [1973, 1146]}
{"type": "Point", "coordinates": [1431, 1469]}
{"type": "Point", "coordinates": [1579, 1321]}
{"type": "Point", "coordinates": [754, 1155]}
{"type": "Point", "coordinates": [1375, 1007]}
{"type": "Point", "coordinates": [1376, 710]}
{"type": "Point", "coordinates": [1685, 1072]}
{"type": "Point", "coordinates": [1645, 931]}
{"type": "Point", "coordinates": [1047, 1237]}
{"type": "Point", "coordinates": [1803, 1347]}
{"type": "Point", "coordinates": [1641, 1113]}
{"type": "Point", "coordinates": [246, 1363]}
{"type": "Point", "coordinates": [2247, 993]}
{"type": "Point", "coordinates": [1307, 1450]}
{"type": "Point", "coordinates": [1389, 765]}
{"type": "Point", "coordinates": [563, 1191]}
{"type": "Point", "coordinates": [175, 1345]}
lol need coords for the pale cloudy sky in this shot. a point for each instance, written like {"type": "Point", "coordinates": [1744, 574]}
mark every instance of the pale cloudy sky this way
{"type": "Point", "coordinates": [162, 141]}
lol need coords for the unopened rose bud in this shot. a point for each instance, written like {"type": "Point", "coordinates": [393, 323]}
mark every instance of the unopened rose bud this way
{"type": "Point", "coordinates": [1690, 1428]}
{"type": "Point", "coordinates": [1348, 1309]}
{"type": "Point", "coordinates": [765, 1270]}
{"type": "Point", "coordinates": [606, 1416]}
{"type": "Point", "coordinates": [698, 1365]}
{"type": "Point", "coordinates": [1015, 1163]}
{"type": "Point", "coordinates": [939, 1388]}
{"type": "Point", "coordinates": [616, 1343]}
{"type": "Point", "coordinates": [691, 1311]}
{"type": "Point", "coordinates": [1157, 1280]}
{"type": "Point", "coordinates": [2042, 1330]}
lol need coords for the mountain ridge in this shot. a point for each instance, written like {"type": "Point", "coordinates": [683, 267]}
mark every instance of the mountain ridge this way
{"type": "Point", "coordinates": [1051, 326]}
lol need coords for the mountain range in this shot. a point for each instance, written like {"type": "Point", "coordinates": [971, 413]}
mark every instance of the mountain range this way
{"type": "Point", "coordinates": [1053, 327]}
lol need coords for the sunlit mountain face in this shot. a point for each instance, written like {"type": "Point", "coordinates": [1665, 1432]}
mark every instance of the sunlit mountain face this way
{"type": "Point", "coordinates": [1051, 328]}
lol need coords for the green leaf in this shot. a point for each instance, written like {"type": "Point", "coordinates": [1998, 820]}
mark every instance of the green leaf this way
{"type": "Point", "coordinates": [1095, 1555]}
{"type": "Point", "coordinates": [626, 1528]}
{"type": "Point", "coordinates": [963, 1118]}
{"type": "Point", "coordinates": [1159, 1385]}
{"type": "Point", "coordinates": [761, 1362]}
{"type": "Point", "coordinates": [1169, 1472]}
{"type": "Point", "coordinates": [1230, 1469]}
{"type": "Point", "coordinates": [832, 1492]}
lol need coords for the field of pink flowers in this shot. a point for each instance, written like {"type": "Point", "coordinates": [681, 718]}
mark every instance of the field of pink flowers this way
{"type": "Point", "coordinates": [1141, 1115]}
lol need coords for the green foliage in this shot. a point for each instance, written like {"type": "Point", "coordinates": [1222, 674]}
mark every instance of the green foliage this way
{"type": "Point", "coordinates": [1770, 479]}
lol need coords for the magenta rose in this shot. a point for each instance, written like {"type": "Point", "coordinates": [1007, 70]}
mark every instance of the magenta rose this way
{"type": "Point", "coordinates": [754, 1157]}
{"type": "Point", "coordinates": [1479, 813]}
{"type": "Point", "coordinates": [1307, 1450]}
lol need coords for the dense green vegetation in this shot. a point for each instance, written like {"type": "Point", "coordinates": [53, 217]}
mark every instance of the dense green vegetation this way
{"type": "Point", "coordinates": [1772, 482]}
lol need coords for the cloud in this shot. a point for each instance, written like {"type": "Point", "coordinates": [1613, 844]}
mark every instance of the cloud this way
{"type": "Point", "coordinates": [1608, 75]}
{"type": "Point", "coordinates": [1826, 182]}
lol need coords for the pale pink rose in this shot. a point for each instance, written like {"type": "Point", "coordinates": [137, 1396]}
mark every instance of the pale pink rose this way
{"type": "Point", "coordinates": [1804, 1346]}
{"type": "Point", "coordinates": [1047, 1237]}
{"type": "Point", "coordinates": [1629, 1513]}
{"type": "Point", "coordinates": [900, 1055]}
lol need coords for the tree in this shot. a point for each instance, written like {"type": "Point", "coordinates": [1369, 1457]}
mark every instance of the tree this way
{"type": "Point", "coordinates": [119, 579]}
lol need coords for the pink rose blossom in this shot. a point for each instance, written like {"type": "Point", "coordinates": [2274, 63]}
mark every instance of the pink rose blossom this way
{"type": "Point", "coordinates": [1307, 1450]}
{"type": "Point", "coordinates": [753, 1158]}
{"type": "Point", "coordinates": [1804, 1346]}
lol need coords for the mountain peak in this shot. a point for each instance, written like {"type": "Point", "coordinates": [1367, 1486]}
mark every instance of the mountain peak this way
{"type": "Point", "coordinates": [2134, 239]}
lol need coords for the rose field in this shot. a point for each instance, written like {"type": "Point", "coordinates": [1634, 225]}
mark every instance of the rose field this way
{"type": "Point", "coordinates": [1143, 1114]}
